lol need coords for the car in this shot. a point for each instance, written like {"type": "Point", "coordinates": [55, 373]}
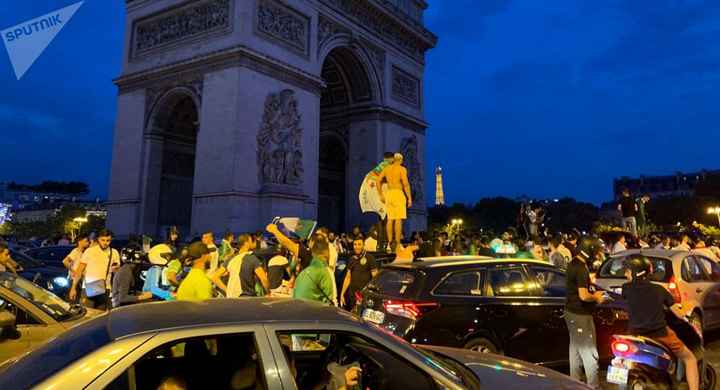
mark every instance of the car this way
{"type": "Point", "coordinates": [692, 278]}
{"type": "Point", "coordinates": [510, 306]}
{"type": "Point", "coordinates": [53, 277]}
{"type": "Point", "coordinates": [255, 343]}
{"type": "Point", "coordinates": [51, 255]}
{"type": "Point", "coordinates": [37, 315]}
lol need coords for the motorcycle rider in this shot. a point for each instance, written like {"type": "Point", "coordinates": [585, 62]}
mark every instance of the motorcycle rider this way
{"type": "Point", "coordinates": [123, 283]}
{"type": "Point", "coordinates": [646, 309]}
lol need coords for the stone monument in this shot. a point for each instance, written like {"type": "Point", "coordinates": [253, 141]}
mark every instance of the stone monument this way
{"type": "Point", "coordinates": [231, 112]}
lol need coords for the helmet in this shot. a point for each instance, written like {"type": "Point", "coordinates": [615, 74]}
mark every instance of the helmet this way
{"type": "Point", "coordinates": [640, 267]}
{"type": "Point", "coordinates": [588, 248]}
{"type": "Point", "coordinates": [132, 255]}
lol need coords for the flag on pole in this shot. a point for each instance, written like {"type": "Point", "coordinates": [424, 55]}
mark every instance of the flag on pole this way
{"type": "Point", "coordinates": [370, 197]}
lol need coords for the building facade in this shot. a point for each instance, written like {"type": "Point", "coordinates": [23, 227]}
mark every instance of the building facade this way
{"type": "Point", "coordinates": [679, 184]}
{"type": "Point", "coordinates": [231, 112]}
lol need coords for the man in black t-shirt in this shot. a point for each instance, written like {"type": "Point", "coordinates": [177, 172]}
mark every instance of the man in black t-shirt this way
{"type": "Point", "coordinates": [579, 306]}
{"type": "Point", "coordinates": [629, 210]}
{"type": "Point", "coordinates": [360, 270]}
{"type": "Point", "coordinates": [252, 272]}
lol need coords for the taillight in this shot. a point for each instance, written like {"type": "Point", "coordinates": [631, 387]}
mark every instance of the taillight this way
{"type": "Point", "coordinates": [358, 298]}
{"type": "Point", "coordinates": [674, 290]}
{"type": "Point", "coordinates": [409, 309]}
{"type": "Point", "coordinates": [623, 348]}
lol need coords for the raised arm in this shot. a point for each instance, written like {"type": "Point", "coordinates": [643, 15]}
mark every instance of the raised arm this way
{"type": "Point", "coordinates": [291, 245]}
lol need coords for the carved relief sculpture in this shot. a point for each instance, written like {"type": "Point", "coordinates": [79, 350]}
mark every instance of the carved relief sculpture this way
{"type": "Point", "coordinates": [284, 25]}
{"type": "Point", "coordinates": [279, 153]}
{"type": "Point", "coordinates": [181, 24]}
{"type": "Point", "coordinates": [405, 87]}
{"type": "Point", "coordinates": [409, 150]}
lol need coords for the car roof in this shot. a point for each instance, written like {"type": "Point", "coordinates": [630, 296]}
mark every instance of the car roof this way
{"type": "Point", "coordinates": [158, 316]}
{"type": "Point", "coordinates": [667, 253]}
{"type": "Point", "coordinates": [452, 261]}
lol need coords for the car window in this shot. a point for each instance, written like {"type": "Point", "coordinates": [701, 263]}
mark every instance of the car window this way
{"type": "Point", "coordinates": [321, 360]}
{"type": "Point", "coordinates": [393, 282]}
{"type": "Point", "coordinates": [550, 281]}
{"type": "Point", "coordinates": [214, 362]}
{"type": "Point", "coordinates": [43, 299]}
{"type": "Point", "coordinates": [509, 282]}
{"type": "Point", "coordinates": [24, 260]}
{"type": "Point", "coordinates": [692, 271]}
{"type": "Point", "coordinates": [22, 316]}
{"type": "Point", "coordinates": [711, 268]}
{"type": "Point", "coordinates": [460, 283]}
{"type": "Point", "coordinates": [615, 268]}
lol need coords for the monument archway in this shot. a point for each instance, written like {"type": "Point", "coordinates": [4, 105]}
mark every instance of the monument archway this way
{"type": "Point", "coordinates": [173, 129]}
{"type": "Point", "coordinates": [233, 112]}
{"type": "Point", "coordinates": [347, 88]}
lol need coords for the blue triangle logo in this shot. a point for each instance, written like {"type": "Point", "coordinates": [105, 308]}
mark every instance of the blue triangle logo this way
{"type": "Point", "coordinates": [26, 41]}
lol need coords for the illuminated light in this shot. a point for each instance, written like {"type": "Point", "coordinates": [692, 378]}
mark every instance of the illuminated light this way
{"type": "Point", "coordinates": [622, 347]}
{"type": "Point", "coordinates": [414, 340]}
{"type": "Point", "coordinates": [497, 367]}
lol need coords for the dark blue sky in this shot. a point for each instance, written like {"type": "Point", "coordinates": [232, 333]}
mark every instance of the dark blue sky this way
{"type": "Point", "coordinates": [544, 98]}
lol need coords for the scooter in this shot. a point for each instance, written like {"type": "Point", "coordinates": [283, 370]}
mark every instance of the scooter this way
{"type": "Point", "coordinates": [642, 363]}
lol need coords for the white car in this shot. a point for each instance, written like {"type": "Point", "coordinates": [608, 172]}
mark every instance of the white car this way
{"type": "Point", "coordinates": [31, 315]}
{"type": "Point", "coordinates": [692, 278]}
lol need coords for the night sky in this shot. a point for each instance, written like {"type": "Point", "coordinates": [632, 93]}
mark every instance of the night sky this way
{"type": "Point", "coordinates": [535, 97]}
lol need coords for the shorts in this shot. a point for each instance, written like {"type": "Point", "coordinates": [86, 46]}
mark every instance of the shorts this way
{"type": "Point", "coordinates": [671, 341]}
{"type": "Point", "coordinates": [396, 204]}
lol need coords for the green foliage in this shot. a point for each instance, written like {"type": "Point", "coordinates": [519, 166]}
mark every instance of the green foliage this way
{"type": "Point", "coordinates": [61, 223]}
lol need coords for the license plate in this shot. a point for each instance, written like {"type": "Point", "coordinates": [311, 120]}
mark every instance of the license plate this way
{"type": "Point", "coordinates": [374, 316]}
{"type": "Point", "coordinates": [617, 375]}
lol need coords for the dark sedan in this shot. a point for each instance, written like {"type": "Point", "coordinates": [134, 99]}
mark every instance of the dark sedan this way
{"type": "Point", "coordinates": [509, 306]}
{"type": "Point", "coordinates": [256, 343]}
{"type": "Point", "coordinates": [49, 276]}
{"type": "Point", "coordinates": [51, 255]}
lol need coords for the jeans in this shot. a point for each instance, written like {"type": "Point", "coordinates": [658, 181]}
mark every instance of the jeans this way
{"type": "Point", "coordinates": [583, 348]}
{"type": "Point", "coordinates": [630, 224]}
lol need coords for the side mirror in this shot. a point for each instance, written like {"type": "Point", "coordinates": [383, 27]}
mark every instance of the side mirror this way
{"type": "Point", "coordinates": [7, 326]}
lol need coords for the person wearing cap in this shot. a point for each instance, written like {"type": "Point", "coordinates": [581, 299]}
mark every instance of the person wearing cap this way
{"type": "Point", "coordinates": [397, 198]}
{"type": "Point", "coordinates": [197, 285]}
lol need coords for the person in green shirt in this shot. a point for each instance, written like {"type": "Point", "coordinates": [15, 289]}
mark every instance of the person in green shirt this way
{"type": "Point", "coordinates": [196, 286]}
{"type": "Point", "coordinates": [315, 282]}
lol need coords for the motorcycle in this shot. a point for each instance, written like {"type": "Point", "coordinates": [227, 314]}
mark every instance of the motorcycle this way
{"type": "Point", "coordinates": [643, 363]}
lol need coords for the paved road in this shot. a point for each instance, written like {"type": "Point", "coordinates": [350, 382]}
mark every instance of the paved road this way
{"type": "Point", "coordinates": [712, 351]}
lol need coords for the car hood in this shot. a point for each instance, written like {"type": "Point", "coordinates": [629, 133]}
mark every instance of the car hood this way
{"type": "Point", "coordinates": [495, 371]}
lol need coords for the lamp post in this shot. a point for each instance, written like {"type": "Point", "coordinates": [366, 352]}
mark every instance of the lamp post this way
{"type": "Point", "coordinates": [715, 210]}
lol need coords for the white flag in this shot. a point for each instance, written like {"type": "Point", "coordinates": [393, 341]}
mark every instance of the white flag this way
{"type": "Point", "coordinates": [26, 41]}
{"type": "Point", "coordinates": [370, 197]}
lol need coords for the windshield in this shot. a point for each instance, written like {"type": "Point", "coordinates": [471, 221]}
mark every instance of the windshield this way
{"type": "Point", "coordinates": [41, 298]}
{"type": "Point", "coordinates": [615, 268]}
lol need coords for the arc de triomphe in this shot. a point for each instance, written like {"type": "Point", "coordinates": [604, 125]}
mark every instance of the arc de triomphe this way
{"type": "Point", "coordinates": [231, 112]}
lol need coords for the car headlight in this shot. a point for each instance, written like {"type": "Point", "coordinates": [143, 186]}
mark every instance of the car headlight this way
{"type": "Point", "coordinates": [60, 281]}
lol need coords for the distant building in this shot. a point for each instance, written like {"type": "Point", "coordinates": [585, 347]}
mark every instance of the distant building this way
{"type": "Point", "coordinates": [21, 198]}
{"type": "Point", "coordinates": [439, 194]}
{"type": "Point", "coordinates": [679, 184]}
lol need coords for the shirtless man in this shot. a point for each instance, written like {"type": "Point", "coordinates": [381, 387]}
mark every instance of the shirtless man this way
{"type": "Point", "coordinates": [397, 198]}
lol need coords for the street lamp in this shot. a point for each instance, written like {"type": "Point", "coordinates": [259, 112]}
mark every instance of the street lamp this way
{"type": "Point", "coordinates": [715, 210]}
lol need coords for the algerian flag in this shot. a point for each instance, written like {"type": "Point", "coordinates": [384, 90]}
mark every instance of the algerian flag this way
{"type": "Point", "coordinates": [294, 227]}
{"type": "Point", "coordinates": [26, 41]}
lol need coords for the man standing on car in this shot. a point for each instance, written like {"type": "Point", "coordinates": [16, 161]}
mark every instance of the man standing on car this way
{"type": "Point", "coordinates": [629, 210]}
{"type": "Point", "coordinates": [579, 306]}
{"type": "Point", "coordinates": [360, 270]}
{"type": "Point", "coordinates": [97, 264]}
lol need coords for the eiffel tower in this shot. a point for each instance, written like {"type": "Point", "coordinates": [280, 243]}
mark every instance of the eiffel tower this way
{"type": "Point", "coordinates": [439, 195]}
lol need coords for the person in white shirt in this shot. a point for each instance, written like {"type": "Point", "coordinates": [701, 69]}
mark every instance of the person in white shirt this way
{"type": "Point", "coordinates": [209, 240]}
{"type": "Point", "coordinates": [97, 264]}
{"type": "Point", "coordinates": [620, 245]}
{"type": "Point", "coordinates": [72, 260]}
{"type": "Point", "coordinates": [247, 244]}
{"type": "Point", "coordinates": [371, 241]}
